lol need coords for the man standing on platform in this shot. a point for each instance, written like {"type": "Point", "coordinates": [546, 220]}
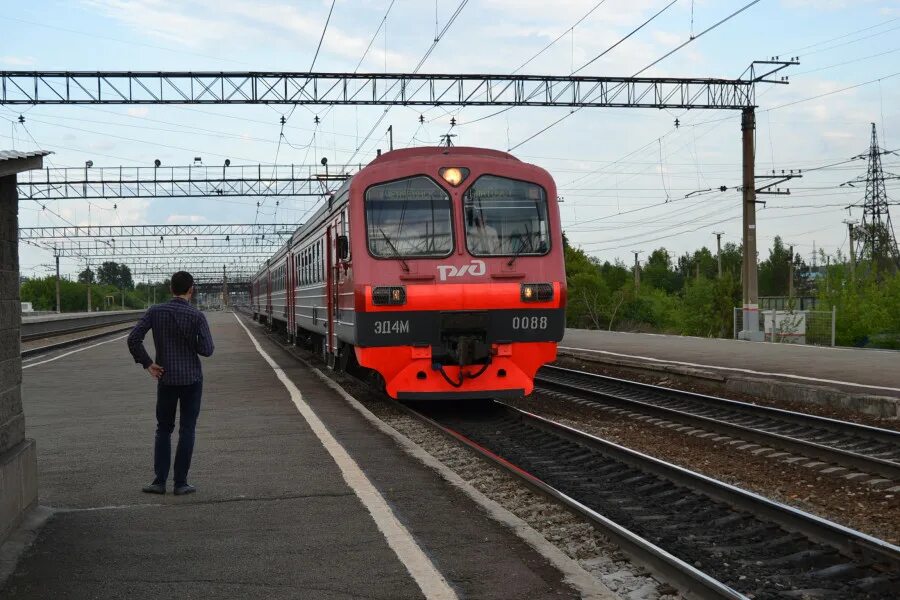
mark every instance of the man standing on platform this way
{"type": "Point", "coordinates": [180, 336]}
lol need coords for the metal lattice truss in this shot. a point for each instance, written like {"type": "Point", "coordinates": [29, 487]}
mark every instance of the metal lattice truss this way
{"type": "Point", "coordinates": [274, 230]}
{"type": "Point", "coordinates": [138, 247]}
{"type": "Point", "coordinates": [201, 277]}
{"type": "Point", "coordinates": [382, 89]}
{"type": "Point", "coordinates": [201, 263]}
{"type": "Point", "coordinates": [180, 182]}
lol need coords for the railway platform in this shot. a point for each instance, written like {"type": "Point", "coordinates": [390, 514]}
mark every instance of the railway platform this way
{"type": "Point", "coordinates": [300, 495]}
{"type": "Point", "coordinates": [861, 379]}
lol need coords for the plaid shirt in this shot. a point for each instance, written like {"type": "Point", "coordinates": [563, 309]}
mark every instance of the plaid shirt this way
{"type": "Point", "coordinates": [180, 334]}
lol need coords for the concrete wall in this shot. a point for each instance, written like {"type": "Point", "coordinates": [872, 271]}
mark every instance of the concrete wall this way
{"type": "Point", "coordinates": [18, 460]}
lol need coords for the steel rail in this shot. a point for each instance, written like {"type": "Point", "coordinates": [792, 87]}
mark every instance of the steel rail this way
{"type": "Point", "coordinates": [830, 454]}
{"type": "Point", "coordinates": [694, 583]}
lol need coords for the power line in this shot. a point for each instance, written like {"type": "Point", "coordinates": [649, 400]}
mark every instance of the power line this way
{"type": "Point", "coordinates": [322, 37]}
{"type": "Point", "coordinates": [834, 39]}
{"type": "Point", "coordinates": [431, 48]}
{"type": "Point", "coordinates": [699, 35]}
{"type": "Point", "coordinates": [631, 33]}
{"type": "Point", "coordinates": [576, 24]}
{"type": "Point", "coordinates": [541, 51]}
{"type": "Point", "coordinates": [831, 93]}
{"type": "Point", "coordinates": [668, 54]}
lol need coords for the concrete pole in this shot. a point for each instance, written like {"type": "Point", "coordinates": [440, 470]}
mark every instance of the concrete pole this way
{"type": "Point", "coordinates": [791, 272]}
{"type": "Point", "coordinates": [637, 270]}
{"type": "Point", "coordinates": [718, 235]}
{"type": "Point", "coordinates": [828, 276]}
{"type": "Point", "coordinates": [224, 289]}
{"type": "Point", "coordinates": [58, 305]}
{"type": "Point", "coordinates": [750, 274]}
{"type": "Point", "coordinates": [850, 225]}
{"type": "Point", "coordinates": [89, 277]}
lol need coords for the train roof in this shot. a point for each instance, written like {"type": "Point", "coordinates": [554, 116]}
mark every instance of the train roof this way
{"type": "Point", "coordinates": [428, 151]}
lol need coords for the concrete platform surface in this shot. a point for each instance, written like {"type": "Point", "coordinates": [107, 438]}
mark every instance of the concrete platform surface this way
{"type": "Point", "coordinates": [854, 370]}
{"type": "Point", "coordinates": [273, 517]}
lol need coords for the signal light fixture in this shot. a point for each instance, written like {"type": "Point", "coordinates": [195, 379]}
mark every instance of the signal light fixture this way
{"type": "Point", "coordinates": [454, 175]}
{"type": "Point", "coordinates": [536, 292]}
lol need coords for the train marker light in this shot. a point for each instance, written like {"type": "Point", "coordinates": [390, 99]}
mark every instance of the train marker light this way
{"type": "Point", "coordinates": [453, 175]}
{"type": "Point", "coordinates": [382, 296]}
{"type": "Point", "coordinates": [536, 292]}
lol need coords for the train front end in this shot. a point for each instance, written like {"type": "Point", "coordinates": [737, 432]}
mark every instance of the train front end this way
{"type": "Point", "coordinates": [460, 292]}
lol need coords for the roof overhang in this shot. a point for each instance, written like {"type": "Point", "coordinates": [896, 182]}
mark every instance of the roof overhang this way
{"type": "Point", "coordinates": [12, 162]}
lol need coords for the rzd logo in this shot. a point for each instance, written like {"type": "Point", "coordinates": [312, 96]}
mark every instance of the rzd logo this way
{"type": "Point", "coordinates": [476, 268]}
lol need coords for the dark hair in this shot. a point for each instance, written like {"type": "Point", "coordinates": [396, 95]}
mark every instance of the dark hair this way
{"type": "Point", "coordinates": [182, 281]}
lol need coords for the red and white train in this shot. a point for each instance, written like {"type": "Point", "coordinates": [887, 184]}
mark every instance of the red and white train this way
{"type": "Point", "coordinates": [439, 268]}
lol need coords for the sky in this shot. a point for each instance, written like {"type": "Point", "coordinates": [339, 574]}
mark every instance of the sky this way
{"type": "Point", "coordinates": [629, 179]}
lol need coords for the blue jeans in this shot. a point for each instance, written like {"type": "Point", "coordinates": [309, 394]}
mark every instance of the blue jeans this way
{"type": "Point", "coordinates": [167, 398]}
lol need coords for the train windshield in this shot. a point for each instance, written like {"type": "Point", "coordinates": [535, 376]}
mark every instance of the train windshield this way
{"type": "Point", "coordinates": [410, 217]}
{"type": "Point", "coordinates": [506, 217]}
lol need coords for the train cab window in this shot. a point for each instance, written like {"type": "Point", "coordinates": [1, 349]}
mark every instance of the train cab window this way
{"type": "Point", "coordinates": [408, 218]}
{"type": "Point", "coordinates": [505, 217]}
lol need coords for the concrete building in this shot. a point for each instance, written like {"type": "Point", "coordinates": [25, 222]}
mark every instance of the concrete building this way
{"type": "Point", "coordinates": [18, 457]}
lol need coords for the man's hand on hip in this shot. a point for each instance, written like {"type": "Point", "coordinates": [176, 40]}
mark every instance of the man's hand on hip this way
{"type": "Point", "coordinates": [155, 371]}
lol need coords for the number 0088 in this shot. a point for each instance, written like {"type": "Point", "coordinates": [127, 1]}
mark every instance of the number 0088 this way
{"type": "Point", "coordinates": [529, 323]}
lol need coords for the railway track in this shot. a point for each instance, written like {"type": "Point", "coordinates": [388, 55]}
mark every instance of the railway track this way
{"type": "Point", "coordinates": [64, 328]}
{"type": "Point", "coordinates": [708, 538]}
{"type": "Point", "coordinates": [833, 444]}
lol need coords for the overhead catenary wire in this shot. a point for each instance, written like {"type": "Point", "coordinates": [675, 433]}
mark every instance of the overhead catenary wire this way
{"type": "Point", "coordinates": [668, 54]}
{"type": "Point", "coordinates": [421, 62]}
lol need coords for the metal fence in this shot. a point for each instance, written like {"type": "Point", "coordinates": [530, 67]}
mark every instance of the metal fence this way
{"type": "Point", "coordinates": [790, 326]}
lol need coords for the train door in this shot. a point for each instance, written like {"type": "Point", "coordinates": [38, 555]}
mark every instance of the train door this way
{"type": "Point", "coordinates": [330, 294]}
{"type": "Point", "coordinates": [269, 295]}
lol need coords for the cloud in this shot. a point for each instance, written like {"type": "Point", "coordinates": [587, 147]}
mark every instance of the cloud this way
{"type": "Point", "coordinates": [17, 61]}
{"type": "Point", "coordinates": [138, 111]}
{"type": "Point", "coordinates": [181, 219]}
{"type": "Point", "coordinates": [231, 23]}
{"type": "Point", "coordinates": [102, 145]}
{"type": "Point", "coordinates": [667, 38]}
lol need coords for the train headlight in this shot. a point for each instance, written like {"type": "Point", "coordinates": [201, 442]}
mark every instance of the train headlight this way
{"type": "Point", "coordinates": [536, 292]}
{"type": "Point", "coordinates": [383, 296]}
{"type": "Point", "coordinates": [454, 175]}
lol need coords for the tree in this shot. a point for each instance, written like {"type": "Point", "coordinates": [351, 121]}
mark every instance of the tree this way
{"type": "Point", "coordinates": [87, 276]}
{"type": "Point", "coordinates": [773, 272]}
{"type": "Point", "coordinates": [687, 264]}
{"type": "Point", "coordinates": [733, 259]}
{"type": "Point", "coordinates": [658, 272]}
{"type": "Point", "coordinates": [115, 274]}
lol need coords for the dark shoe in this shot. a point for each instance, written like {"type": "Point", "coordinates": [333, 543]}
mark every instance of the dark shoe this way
{"type": "Point", "coordinates": [184, 488]}
{"type": "Point", "coordinates": [154, 488]}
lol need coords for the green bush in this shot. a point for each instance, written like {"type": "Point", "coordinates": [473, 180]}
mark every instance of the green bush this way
{"type": "Point", "coordinates": [41, 292]}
